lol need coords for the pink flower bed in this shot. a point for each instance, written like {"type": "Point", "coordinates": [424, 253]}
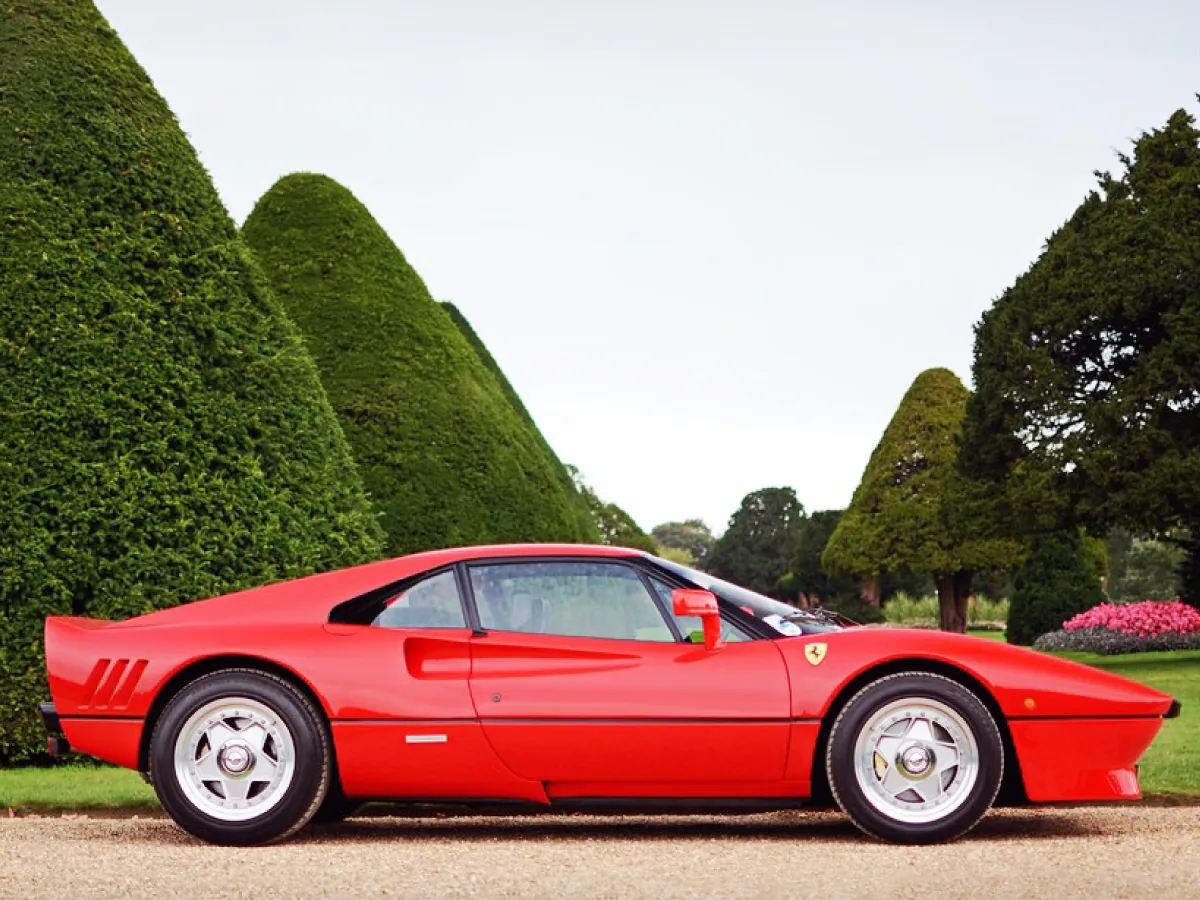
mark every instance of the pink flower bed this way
{"type": "Point", "coordinates": [1145, 619]}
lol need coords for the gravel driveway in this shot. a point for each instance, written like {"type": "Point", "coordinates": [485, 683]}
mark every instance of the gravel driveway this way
{"type": "Point", "coordinates": [1097, 852]}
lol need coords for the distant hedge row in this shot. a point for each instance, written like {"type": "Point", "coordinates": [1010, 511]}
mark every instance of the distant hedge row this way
{"type": "Point", "coordinates": [446, 456]}
{"type": "Point", "coordinates": [164, 435]}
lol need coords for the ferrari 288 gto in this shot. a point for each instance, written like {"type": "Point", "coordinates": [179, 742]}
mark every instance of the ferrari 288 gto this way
{"type": "Point", "coordinates": [568, 676]}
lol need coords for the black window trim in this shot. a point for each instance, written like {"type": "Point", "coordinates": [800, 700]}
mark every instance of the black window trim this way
{"type": "Point", "coordinates": [365, 608]}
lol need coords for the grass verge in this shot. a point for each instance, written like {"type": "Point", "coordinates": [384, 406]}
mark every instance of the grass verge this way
{"type": "Point", "coordinates": [76, 787]}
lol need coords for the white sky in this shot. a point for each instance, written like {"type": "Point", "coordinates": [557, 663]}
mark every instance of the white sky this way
{"type": "Point", "coordinates": [711, 243]}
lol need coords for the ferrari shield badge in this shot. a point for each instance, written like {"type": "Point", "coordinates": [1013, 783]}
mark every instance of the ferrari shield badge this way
{"type": "Point", "coordinates": [814, 653]}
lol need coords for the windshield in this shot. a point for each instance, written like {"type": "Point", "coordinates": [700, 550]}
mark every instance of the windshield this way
{"type": "Point", "coordinates": [783, 617]}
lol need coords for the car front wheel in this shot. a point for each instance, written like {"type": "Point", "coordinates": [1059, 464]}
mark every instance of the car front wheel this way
{"type": "Point", "coordinates": [240, 757]}
{"type": "Point", "coordinates": [915, 758]}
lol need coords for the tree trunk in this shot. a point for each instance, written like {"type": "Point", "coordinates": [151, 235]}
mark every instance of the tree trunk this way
{"type": "Point", "coordinates": [962, 596]}
{"type": "Point", "coordinates": [870, 591]}
{"type": "Point", "coordinates": [954, 590]}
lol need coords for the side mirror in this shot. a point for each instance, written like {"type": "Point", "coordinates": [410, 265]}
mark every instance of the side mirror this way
{"type": "Point", "coordinates": [690, 602]}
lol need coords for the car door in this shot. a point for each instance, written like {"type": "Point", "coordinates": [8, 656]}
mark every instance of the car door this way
{"type": "Point", "coordinates": [396, 669]}
{"type": "Point", "coordinates": [581, 683]}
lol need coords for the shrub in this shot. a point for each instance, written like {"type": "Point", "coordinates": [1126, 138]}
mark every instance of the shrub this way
{"type": "Point", "coordinates": [922, 612]}
{"type": "Point", "coordinates": [446, 456]}
{"type": "Point", "coordinates": [1146, 619]}
{"type": "Point", "coordinates": [903, 609]}
{"type": "Point", "coordinates": [165, 436]}
{"type": "Point", "coordinates": [1055, 581]}
{"type": "Point", "coordinates": [1108, 643]}
{"type": "Point", "coordinates": [985, 612]}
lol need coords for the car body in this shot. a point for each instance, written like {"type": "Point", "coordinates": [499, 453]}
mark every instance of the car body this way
{"type": "Point", "coordinates": [564, 675]}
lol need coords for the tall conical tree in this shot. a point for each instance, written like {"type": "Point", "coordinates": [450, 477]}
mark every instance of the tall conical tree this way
{"type": "Point", "coordinates": [165, 436]}
{"type": "Point", "coordinates": [445, 455]}
{"type": "Point", "coordinates": [487, 359]}
{"type": "Point", "coordinates": [898, 516]}
{"type": "Point", "coordinates": [586, 527]}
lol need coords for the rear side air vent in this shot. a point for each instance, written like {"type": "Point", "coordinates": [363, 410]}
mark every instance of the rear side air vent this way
{"type": "Point", "coordinates": [112, 683]}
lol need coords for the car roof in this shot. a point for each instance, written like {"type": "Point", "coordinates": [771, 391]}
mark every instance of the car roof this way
{"type": "Point", "coordinates": [458, 554]}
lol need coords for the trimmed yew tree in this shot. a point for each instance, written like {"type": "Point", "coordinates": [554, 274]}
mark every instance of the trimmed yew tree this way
{"type": "Point", "coordinates": [489, 361]}
{"type": "Point", "coordinates": [1087, 369]}
{"type": "Point", "coordinates": [897, 518]}
{"type": "Point", "coordinates": [445, 455]}
{"type": "Point", "coordinates": [165, 436]}
{"type": "Point", "coordinates": [586, 530]}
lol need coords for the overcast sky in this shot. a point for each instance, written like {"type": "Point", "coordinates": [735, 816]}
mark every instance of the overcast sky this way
{"type": "Point", "coordinates": [712, 242]}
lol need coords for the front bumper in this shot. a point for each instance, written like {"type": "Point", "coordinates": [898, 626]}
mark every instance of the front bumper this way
{"type": "Point", "coordinates": [1066, 760]}
{"type": "Point", "coordinates": [57, 743]}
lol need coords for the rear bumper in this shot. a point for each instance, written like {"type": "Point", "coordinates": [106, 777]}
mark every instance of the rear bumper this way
{"type": "Point", "coordinates": [57, 743]}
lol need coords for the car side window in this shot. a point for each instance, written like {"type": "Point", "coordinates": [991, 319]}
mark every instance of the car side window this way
{"type": "Point", "coordinates": [431, 603]}
{"type": "Point", "coordinates": [581, 599]}
{"type": "Point", "coordinates": [691, 627]}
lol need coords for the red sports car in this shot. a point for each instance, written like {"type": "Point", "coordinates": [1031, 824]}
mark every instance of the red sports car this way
{"type": "Point", "coordinates": [575, 676]}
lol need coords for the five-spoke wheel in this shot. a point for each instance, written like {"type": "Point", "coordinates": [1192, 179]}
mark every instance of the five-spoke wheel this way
{"type": "Point", "coordinates": [915, 757]}
{"type": "Point", "coordinates": [234, 758]}
{"type": "Point", "coordinates": [240, 757]}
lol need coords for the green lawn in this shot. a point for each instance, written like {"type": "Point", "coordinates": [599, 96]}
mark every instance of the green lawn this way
{"type": "Point", "coordinates": [1170, 768]}
{"type": "Point", "coordinates": [74, 787]}
{"type": "Point", "coordinates": [989, 635]}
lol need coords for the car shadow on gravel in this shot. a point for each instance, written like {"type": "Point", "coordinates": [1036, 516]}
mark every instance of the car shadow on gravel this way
{"type": "Point", "coordinates": [821, 828]}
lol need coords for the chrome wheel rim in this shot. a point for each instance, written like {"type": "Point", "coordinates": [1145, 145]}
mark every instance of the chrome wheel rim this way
{"type": "Point", "coordinates": [916, 760]}
{"type": "Point", "coordinates": [234, 759]}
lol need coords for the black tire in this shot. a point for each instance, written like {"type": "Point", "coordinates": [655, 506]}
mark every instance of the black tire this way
{"type": "Point", "coordinates": [973, 801]}
{"type": "Point", "coordinates": [297, 801]}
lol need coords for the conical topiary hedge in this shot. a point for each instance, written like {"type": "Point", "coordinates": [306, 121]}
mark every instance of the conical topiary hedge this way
{"type": "Point", "coordinates": [163, 432]}
{"type": "Point", "coordinates": [587, 529]}
{"type": "Point", "coordinates": [899, 516]}
{"type": "Point", "coordinates": [444, 454]}
{"type": "Point", "coordinates": [488, 360]}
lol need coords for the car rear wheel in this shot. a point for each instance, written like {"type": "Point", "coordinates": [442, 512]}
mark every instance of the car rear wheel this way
{"type": "Point", "coordinates": [915, 758]}
{"type": "Point", "coordinates": [240, 757]}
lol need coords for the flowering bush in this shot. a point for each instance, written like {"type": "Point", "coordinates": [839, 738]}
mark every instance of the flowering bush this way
{"type": "Point", "coordinates": [1128, 628]}
{"type": "Point", "coordinates": [1149, 618]}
